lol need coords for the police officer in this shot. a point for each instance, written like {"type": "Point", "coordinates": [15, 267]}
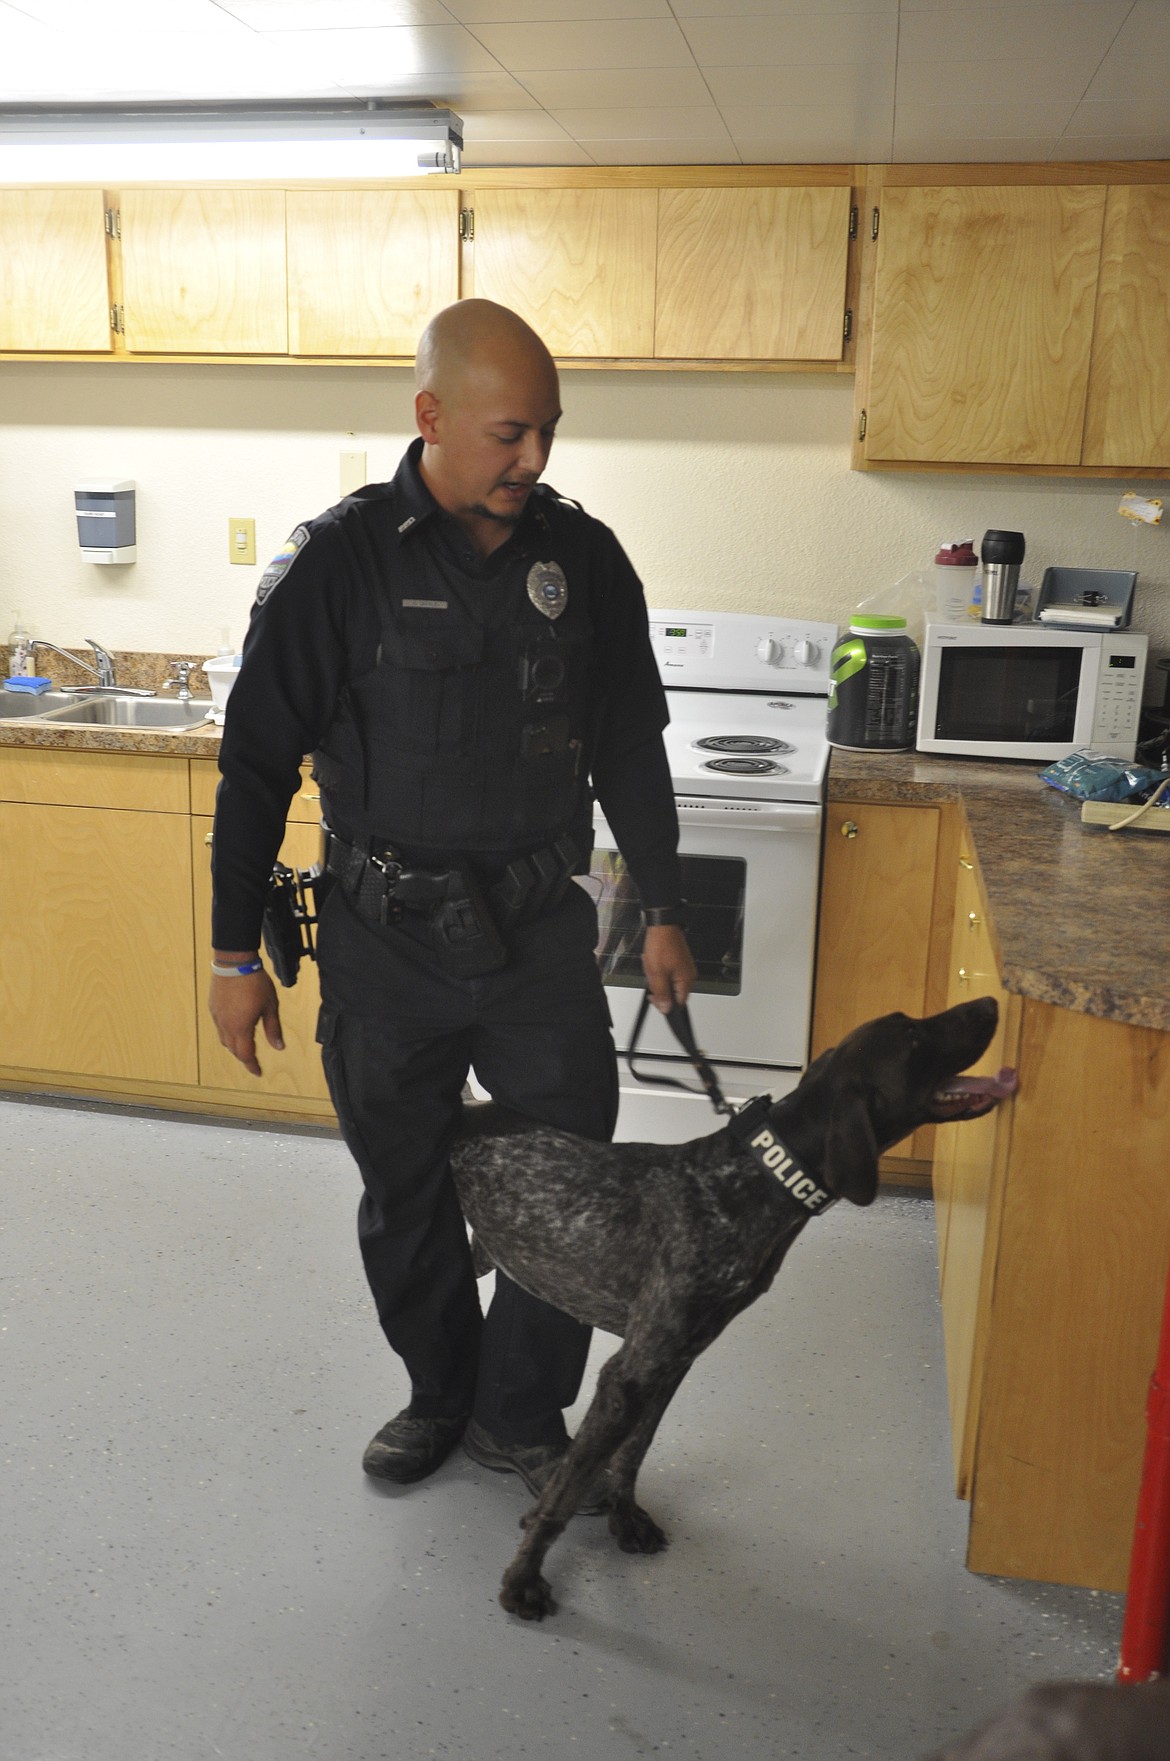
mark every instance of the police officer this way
{"type": "Point", "coordinates": [467, 657]}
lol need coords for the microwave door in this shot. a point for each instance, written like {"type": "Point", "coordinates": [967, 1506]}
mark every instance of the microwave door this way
{"type": "Point", "coordinates": [1024, 694]}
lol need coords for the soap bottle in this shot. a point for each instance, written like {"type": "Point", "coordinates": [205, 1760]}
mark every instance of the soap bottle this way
{"type": "Point", "coordinates": [20, 651]}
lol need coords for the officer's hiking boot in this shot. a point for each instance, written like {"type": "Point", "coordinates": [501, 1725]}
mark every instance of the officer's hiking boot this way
{"type": "Point", "coordinates": [410, 1448]}
{"type": "Point", "coordinates": [534, 1462]}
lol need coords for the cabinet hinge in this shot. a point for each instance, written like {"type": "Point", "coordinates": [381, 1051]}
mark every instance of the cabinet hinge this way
{"type": "Point", "coordinates": [114, 222]}
{"type": "Point", "coordinates": [875, 222]}
{"type": "Point", "coordinates": [861, 427]}
{"type": "Point", "coordinates": [118, 320]}
{"type": "Point", "coordinates": [853, 221]}
{"type": "Point", "coordinates": [467, 223]}
{"type": "Point", "coordinates": [848, 330]}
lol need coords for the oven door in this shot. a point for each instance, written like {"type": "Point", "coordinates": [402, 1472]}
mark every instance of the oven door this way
{"type": "Point", "coordinates": [750, 874]}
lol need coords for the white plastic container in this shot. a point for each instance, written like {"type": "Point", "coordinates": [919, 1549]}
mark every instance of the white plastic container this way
{"type": "Point", "coordinates": [955, 569]}
{"type": "Point", "coordinates": [221, 676]}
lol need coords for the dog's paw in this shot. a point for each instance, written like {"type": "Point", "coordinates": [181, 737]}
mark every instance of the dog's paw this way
{"type": "Point", "coordinates": [636, 1531]}
{"type": "Point", "coordinates": [527, 1594]}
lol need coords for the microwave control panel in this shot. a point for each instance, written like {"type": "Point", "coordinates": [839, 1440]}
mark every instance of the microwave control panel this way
{"type": "Point", "coordinates": [1119, 690]}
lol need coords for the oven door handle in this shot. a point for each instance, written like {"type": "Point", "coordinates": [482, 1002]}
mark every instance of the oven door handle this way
{"type": "Point", "coordinates": [744, 816]}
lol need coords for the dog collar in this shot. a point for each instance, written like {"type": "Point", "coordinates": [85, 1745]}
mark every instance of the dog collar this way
{"type": "Point", "coordinates": [754, 1134]}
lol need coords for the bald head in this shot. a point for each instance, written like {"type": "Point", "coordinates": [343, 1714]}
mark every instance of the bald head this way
{"type": "Point", "coordinates": [476, 337]}
{"type": "Point", "coordinates": [487, 407]}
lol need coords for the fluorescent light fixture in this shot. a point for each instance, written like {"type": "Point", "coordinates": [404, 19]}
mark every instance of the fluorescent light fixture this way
{"type": "Point", "coordinates": [109, 143]}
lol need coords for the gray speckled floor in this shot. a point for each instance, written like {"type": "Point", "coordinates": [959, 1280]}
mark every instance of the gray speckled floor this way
{"type": "Point", "coordinates": [194, 1565]}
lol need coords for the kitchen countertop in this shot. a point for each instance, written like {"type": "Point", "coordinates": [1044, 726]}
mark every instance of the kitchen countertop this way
{"type": "Point", "coordinates": [1081, 914]}
{"type": "Point", "coordinates": [197, 742]}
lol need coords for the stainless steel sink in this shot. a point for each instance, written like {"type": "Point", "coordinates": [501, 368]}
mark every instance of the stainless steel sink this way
{"type": "Point", "coordinates": [19, 705]}
{"type": "Point", "coordinates": [131, 712]}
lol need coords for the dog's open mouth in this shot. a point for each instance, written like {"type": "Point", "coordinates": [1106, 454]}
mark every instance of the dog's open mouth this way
{"type": "Point", "coordinates": [969, 1097]}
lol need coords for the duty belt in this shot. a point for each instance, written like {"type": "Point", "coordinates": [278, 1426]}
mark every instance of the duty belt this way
{"type": "Point", "coordinates": [383, 886]}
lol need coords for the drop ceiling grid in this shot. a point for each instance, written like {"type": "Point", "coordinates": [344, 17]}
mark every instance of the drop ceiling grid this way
{"type": "Point", "coordinates": [579, 82]}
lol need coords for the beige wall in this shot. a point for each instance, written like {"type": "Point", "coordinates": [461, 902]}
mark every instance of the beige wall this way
{"type": "Point", "coordinates": [729, 491]}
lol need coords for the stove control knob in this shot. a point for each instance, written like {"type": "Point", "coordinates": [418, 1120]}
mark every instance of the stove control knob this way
{"type": "Point", "coordinates": [769, 651]}
{"type": "Point", "coordinates": [804, 652]}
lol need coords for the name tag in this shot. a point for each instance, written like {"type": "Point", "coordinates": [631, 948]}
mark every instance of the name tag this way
{"type": "Point", "coordinates": [424, 605]}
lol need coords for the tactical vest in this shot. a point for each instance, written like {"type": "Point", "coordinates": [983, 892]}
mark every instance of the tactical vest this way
{"type": "Point", "coordinates": [465, 738]}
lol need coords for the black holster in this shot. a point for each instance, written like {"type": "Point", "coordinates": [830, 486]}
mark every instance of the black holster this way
{"type": "Point", "coordinates": [290, 915]}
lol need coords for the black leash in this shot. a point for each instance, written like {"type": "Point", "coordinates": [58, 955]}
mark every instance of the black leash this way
{"type": "Point", "coordinates": [679, 1021]}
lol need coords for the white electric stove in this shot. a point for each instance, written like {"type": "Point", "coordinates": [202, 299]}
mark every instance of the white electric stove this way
{"type": "Point", "coordinates": [749, 758]}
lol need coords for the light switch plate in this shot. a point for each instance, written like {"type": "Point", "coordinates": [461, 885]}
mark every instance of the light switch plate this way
{"type": "Point", "coordinates": [353, 472]}
{"type": "Point", "coordinates": [241, 541]}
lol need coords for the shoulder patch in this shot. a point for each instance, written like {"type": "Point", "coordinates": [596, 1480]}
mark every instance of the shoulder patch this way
{"type": "Point", "coordinates": [281, 562]}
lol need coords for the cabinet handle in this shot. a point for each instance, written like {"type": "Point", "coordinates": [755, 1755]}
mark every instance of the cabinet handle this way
{"type": "Point", "coordinates": [850, 828]}
{"type": "Point", "coordinates": [207, 838]}
{"type": "Point", "coordinates": [963, 863]}
{"type": "Point", "coordinates": [964, 975]}
{"type": "Point", "coordinates": [310, 797]}
{"type": "Point", "coordinates": [973, 922]}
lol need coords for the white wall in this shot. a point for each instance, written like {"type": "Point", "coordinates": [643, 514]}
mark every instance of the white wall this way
{"type": "Point", "coordinates": [729, 491]}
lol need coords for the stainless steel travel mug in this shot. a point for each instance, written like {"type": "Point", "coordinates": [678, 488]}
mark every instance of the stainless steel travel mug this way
{"type": "Point", "coordinates": [1001, 554]}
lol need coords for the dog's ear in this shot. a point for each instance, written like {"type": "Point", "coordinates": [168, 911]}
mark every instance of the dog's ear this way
{"type": "Point", "coordinates": [851, 1151]}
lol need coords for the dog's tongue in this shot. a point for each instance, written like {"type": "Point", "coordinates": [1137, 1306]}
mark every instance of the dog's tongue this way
{"type": "Point", "coordinates": [967, 1096]}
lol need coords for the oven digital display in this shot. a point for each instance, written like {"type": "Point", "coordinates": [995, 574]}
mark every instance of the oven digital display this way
{"type": "Point", "coordinates": [679, 645]}
{"type": "Point", "coordinates": [714, 888]}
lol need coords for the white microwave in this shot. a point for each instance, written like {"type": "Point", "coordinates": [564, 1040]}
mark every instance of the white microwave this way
{"type": "Point", "coordinates": [1029, 691]}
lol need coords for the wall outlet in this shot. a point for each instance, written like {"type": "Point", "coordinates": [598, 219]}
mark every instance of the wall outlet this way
{"type": "Point", "coordinates": [241, 541]}
{"type": "Point", "coordinates": [353, 472]}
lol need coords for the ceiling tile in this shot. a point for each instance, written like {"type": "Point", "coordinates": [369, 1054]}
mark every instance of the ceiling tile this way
{"type": "Point", "coordinates": [617, 88]}
{"type": "Point", "coordinates": [1052, 80]}
{"type": "Point", "coordinates": [335, 15]}
{"type": "Point", "coordinates": [1123, 147]}
{"type": "Point", "coordinates": [919, 122]}
{"type": "Point", "coordinates": [1029, 33]}
{"type": "Point", "coordinates": [811, 132]}
{"type": "Point", "coordinates": [964, 149]}
{"type": "Point", "coordinates": [463, 92]}
{"type": "Point", "coordinates": [374, 55]}
{"type": "Point", "coordinates": [512, 125]}
{"type": "Point", "coordinates": [1129, 116]}
{"type": "Point", "coordinates": [553, 11]}
{"type": "Point", "coordinates": [1146, 31]}
{"type": "Point", "coordinates": [614, 43]}
{"type": "Point", "coordinates": [177, 16]}
{"type": "Point", "coordinates": [485, 153]}
{"type": "Point", "coordinates": [1128, 77]}
{"type": "Point", "coordinates": [695, 152]}
{"type": "Point", "coordinates": [774, 87]}
{"type": "Point", "coordinates": [688, 9]}
{"type": "Point", "coordinates": [642, 125]}
{"type": "Point", "coordinates": [802, 39]}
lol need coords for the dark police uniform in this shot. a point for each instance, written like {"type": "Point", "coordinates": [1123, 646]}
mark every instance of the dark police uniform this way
{"type": "Point", "coordinates": [462, 711]}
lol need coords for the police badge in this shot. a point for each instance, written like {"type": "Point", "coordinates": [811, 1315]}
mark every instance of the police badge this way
{"type": "Point", "coordinates": [547, 588]}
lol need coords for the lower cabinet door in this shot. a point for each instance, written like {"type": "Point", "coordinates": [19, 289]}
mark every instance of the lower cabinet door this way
{"type": "Point", "coordinates": [296, 1072]}
{"type": "Point", "coordinates": [96, 977]}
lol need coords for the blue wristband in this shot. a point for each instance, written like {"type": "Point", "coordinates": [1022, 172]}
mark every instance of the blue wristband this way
{"type": "Point", "coordinates": [243, 971]}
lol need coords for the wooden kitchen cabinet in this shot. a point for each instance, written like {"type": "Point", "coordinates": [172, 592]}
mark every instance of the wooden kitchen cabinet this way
{"type": "Point", "coordinates": [577, 264]}
{"type": "Point", "coordinates": [54, 282]}
{"type": "Point", "coordinates": [1128, 418]}
{"type": "Point", "coordinates": [752, 274]}
{"type": "Point", "coordinates": [982, 323]}
{"type": "Point", "coordinates": [368, 269]}
{"type": "Point", "coordinates": [204, 271]}
{"type": "Point", "coordinates": [876, 947]}
{"type": "Point", "coordinates": [96, 976]}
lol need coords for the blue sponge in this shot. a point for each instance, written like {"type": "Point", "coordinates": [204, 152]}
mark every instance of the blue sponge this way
{"type": "Point", "coordinates": [20, 683]}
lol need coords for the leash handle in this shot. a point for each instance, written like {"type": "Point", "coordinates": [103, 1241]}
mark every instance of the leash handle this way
{"type": "Point", "coordinates": [679, 1020]}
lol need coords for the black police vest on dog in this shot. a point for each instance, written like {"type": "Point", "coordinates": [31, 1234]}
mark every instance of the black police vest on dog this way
{"type": "Point", "coordinates": [467, 737]}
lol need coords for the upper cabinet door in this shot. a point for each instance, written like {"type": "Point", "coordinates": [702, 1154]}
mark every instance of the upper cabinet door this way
{"type": "Point", "coordinates": [982, 324]}
{"type": "Point", "coordinates": [54, 287]}
{"type": "Point", "coordinates": [204, 272]}
{"type": "Point", "coordinates": [367, 269]}
{"type": "Point", "coordinates": [577, 264]}
{"type": "Point", "coordinates": [752, 274]}
{"type": "Point", "coordinates": [1128, 420]}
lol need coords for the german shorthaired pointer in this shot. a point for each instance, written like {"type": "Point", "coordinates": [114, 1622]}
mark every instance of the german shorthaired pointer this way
{"type": "Point", "coordinates": [663, 1244]}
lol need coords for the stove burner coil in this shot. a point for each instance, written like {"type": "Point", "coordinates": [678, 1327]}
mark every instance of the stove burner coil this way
{"type": "Point", "coordinates": [743, 744]}
{"type": "Point", "coordinates": [745, 767]}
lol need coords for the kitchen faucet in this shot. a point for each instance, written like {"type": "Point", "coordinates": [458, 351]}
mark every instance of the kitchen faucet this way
{"type": "Point", "coordinates": [103, 672]}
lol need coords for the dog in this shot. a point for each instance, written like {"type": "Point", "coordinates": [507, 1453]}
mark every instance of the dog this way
{"type": "Point", "coordinates": [664, 1244]}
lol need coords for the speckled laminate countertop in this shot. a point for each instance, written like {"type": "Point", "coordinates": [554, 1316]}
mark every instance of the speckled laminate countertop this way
{"type": "Point", "coordinates": [197, 742]}
{"type": "Point", "coordinates": [1081, 914]}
